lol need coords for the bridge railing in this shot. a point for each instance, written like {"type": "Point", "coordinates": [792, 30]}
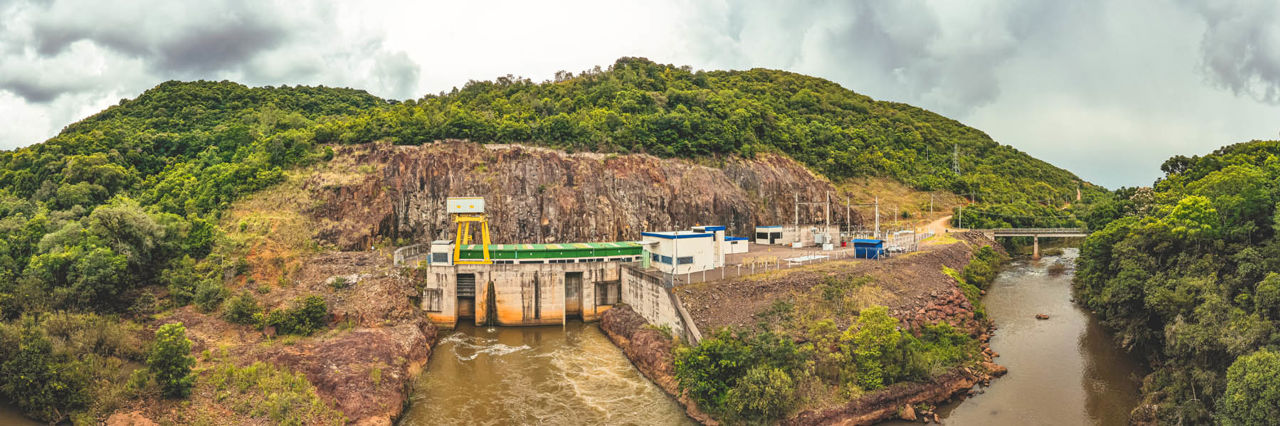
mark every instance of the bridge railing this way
{"type": "Point", "coordinates": [1038, 230]}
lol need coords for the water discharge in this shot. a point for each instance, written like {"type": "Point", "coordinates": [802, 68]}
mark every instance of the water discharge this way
{"type": "Point", "coordinates": [535, 375]}
{"type": "Point", "coordinates": [1065, 370]}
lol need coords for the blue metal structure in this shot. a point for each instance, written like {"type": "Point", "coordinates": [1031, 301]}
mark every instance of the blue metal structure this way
{"type": "Point", "coordinates": [868, 248]}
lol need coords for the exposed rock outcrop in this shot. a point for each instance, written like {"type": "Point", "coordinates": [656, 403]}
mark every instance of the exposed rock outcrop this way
{"type": "Point", "coordinates": [363, 372]}
{"type": "Point", "coordinates": [542, 195]}
{"type": "Point", "coordinates": [650, 351]}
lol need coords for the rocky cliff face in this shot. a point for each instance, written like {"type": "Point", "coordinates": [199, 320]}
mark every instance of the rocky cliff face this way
{"type": "Point", "coordinates": [541, 195]}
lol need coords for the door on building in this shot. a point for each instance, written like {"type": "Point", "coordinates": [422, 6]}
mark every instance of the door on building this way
{"type": "Point", "coordinates": [573, 295]}
{"type": "Point", "coordinates": [466, 296]}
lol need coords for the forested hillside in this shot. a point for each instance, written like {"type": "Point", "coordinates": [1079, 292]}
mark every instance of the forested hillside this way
{"type": "Point", "coordinates": [640, 106]}
{"type": "Point", "coordinates": [1188, 273]}
{"type": "Point", "coordinates": [116, 218]}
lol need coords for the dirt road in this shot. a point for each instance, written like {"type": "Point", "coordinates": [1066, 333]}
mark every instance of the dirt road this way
{"type": "Point", "coordinates": [939, 226]}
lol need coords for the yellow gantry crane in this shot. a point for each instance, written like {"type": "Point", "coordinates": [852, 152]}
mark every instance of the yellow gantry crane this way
{"type": "Point", "coordinates": [465, 211]}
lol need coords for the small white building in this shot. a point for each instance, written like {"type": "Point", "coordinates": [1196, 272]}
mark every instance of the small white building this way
{"type": "Point", "coordinates": [718, 246]}
{"type": "Point", "coordinates": [807, 235]}
{"type": "Point", "coordinates": [683, 251]}
{"type": "Point", "coordinates": [772, 234]}
{"type": "Point", "coordinates": [736, 245]}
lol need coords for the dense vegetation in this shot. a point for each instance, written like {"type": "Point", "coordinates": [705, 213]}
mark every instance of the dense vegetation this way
{"type": "Point", "coordinates": [1188, 273]}
{"type": "Point", "coordinates": [114, 218]}
{"type": "Point", "coordinates": [759, 376]}
{"type": "Point", "coordinates": [799, 357]}
{"type": "Point", "coordinates": [640, 106]}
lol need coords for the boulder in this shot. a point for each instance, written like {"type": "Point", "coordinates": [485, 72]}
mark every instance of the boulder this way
{"type": "Point", "coordinates": [908, 413]}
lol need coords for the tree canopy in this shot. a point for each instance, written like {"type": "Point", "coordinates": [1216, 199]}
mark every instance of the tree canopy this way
{"type": "Point", "coordinates": [1188, 273]}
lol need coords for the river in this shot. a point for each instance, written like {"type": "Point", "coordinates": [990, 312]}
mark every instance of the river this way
{"type": "Point", "coordinates": [1065, 370]}
{"type": "Point", "coordinates": [1062, 371]}
{"type": "Point", "coordinates": [535, 375]}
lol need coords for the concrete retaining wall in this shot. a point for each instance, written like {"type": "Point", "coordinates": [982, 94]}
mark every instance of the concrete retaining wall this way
{"type": "Point", "coordinates": [648, 295]}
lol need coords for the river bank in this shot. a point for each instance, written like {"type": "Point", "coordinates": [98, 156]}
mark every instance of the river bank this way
{"type": "Point", "coordinates": [917, 290]}
{"type": "Point", "coordinates": [1065, 370]}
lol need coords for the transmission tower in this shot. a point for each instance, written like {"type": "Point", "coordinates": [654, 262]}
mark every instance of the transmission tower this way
{"type": "Point", "coordinates": [955, 158]}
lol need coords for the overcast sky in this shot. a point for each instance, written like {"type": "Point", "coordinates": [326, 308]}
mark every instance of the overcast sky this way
{"type": "Point", "coordinates": [1106, 89]}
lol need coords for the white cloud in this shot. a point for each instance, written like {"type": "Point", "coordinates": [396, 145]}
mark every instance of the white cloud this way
{"type": "Point", "coordinates": [1105, 89]}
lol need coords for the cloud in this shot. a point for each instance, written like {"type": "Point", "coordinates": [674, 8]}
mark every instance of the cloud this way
{"type": "Point", "coordinates": [945, 53]}
{"type": "Point", "coordinates": [1241, 46]}
{"type": "Point", "coordinates": [1106, 89]}
{"type": "Point", "coordinates": [159, 40]}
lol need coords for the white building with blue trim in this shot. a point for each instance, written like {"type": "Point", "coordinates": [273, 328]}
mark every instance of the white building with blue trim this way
{"type": "Point", "coordinates": [697, 249]}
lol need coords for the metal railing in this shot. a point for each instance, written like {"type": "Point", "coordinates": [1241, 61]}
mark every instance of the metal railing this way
{"type": "Point", "coordinates": [1034, 231]}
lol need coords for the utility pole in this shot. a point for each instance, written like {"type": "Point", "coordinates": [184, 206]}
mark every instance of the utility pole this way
{"type": "Point", "coordinates": [877, 217]}
{"type": "Point", "coordinates": [961, 220]}
{"type": "Point", "coordinates": [828, 213]}
{"type": "Point", "coordinates": [848, 216]}
{"type": "Point", "coordinates": [930, 204]}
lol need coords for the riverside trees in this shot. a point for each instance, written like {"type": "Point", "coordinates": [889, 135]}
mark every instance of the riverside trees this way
{"type": "Point", "coordinates": [1187, 275]}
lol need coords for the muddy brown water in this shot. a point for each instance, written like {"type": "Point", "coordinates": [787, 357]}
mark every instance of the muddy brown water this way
{"type": "Point", "coordinates": [535, 375]}
{"type": "Point", "coordinates": [1066, 370]}
{"type": "Point", "coordinates": [9, 415]}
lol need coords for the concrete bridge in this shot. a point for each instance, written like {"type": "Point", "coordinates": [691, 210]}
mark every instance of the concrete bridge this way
{"type": "Point", "coordinates": [1035, 234]}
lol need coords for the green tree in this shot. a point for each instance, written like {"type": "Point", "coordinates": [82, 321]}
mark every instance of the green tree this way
{"type": "Point", "coordinates": [171, 361]}
{"type": "Point", "coordinates": [876, 345]}
{"type": "Point", "coordinates": [242, 309]}
{"type": "Point", "coordinates": [763, 393]}
{"type": "Point", "coordinates": [1192, 217]}
{"type": "Point", "coordinates": [39, 382]}
{"type": "Point", "coordinates": [1253, 392]}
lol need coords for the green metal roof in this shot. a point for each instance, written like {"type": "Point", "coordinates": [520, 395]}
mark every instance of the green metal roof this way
{"type": "Point", "coordinates": [551, 251]}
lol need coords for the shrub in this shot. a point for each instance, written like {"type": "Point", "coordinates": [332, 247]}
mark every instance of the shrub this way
{"type": "Point", "coordinates": [876, 345]}
{"type": "Point", "coordinates": [763, 393]}
{"type": "Point", "coordinates": [209, 294]}
{"type": "Point", "coordinates": [263, 390]}
{"type": "Point", "coordinates": [709, 370]}
{"type": "Point", "coordinates": [40, 383]}
{"type": "Point", "coordinates": [983, 267]}
{"type": "Point", "coordinates": [1253, 393]}
{"type": "Point", "coordinates": [305, 317]}
{"type": "Point", "coordinates": [339, 283]}
{"type": "Point", "coordinates": [180, 277]}
{"type": "Point", "coordinates": [171, 360]}
{"type": "Point", "coordinates": [717, 373]}
{"type": "Point", "coordinates": [242, 308]}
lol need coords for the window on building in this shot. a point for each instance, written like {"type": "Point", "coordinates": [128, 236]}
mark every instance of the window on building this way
{"type": "Point", "coordinates": [432, 299]}
{"type": "Point", "coordinates": [439, 257]}
{"type": "Point", "coordinates": [762, 235]}
{"type": "Point", "coordinates": [686, 260]}
{"type": "Point", "coordinates": [666, 259]}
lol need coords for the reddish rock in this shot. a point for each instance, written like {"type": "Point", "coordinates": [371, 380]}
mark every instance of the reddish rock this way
{"type": "Point", "coordinates": [133, 418]}
{"type": "Point", "coordinates": [339, 367]}
{"type": "Point", "coordinates": [994, 369]}
{"type": "Point", "coordinates": [908, 413]}
{"type": "Point", "coordinates": [1042, 316]}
